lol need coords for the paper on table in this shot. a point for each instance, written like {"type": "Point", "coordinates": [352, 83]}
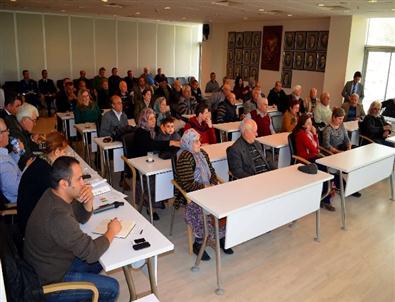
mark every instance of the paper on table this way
{"type": "Point", "coordinates": [127, 226]}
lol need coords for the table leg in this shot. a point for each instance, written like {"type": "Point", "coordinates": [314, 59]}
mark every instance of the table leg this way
{"type": "Point", "coordinates": [108, 165]}
{"type": "Point", "coordinates": [65, 128]}
{"type": "Point", "coordinates": [130, 283]}
{"type": "Point", "coordinates": [343, 201]}
{"type": "Point", "coordinates": [317, 226]}
{"type": "Point", "coordinates": [221, 135]}
{"type": "Point", "coordinates": [392, 185]}
{"type": "Point", "coordinates": [273, 155]}
{"type": "Point", "coordinates": [195, 268]}
{"type": "Point", "coordinates": [152, 279]}
{"type": "Point", "coordinates": [142, 192]}
{"type": "Point", "coordinates": [102, 166]}
{"type": "Point", "coordinates": [219, 290]}
{"type": "Point", "coordinates": [149, 199]}
{"type": "Point", "coordinates": [88, 153]}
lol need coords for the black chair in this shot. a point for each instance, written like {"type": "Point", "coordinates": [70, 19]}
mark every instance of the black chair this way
{"type": "Point", "coordinates": [11, 86]}
{"type": "Point", "coordinates": [128, 145]}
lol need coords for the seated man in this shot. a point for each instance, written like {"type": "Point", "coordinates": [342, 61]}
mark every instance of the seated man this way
{"type": "Point", "coordinates": [28, 87]}
{"type": "Point", "coordinates": [262, 118]}
{"type": "Point", "coordinates": [202, 124]}
{"type": "Point", "coordinates": [353, 109]}
{"type": "Point", "coordinates": [219, 96]}
{"type": "Point", "coordinates": [47, 90]}
{"type": "Point", "coordinates": [55, 245]}
{"type": "Point", "coordinates": [296, 95]}
{"type": "Point", "coordinates": [277, 95]}
{"type": "Point", "coordinates": [187, 103]}
{"type": "Point", "coordinates": [251, 103]}
{"type": "Point", "coordinates": [212, 85]}
{"type": "Point", "coordinates": [10, 175]}
{"type": "Point", "coordinates": [196, 91]}
{"type": "Point", "coordinates": [11, 106]}
{"type": "Point", "coordinates": [245, 156]}
{"type": "Point", "coordinates": [114, 118]}
{"type": "Point", "coordinates": [226, 111]}
{"type": "Point", "coordinates": [322, 111]}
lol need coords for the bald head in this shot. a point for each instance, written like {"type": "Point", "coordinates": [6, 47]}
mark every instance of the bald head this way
{"type": "Point", "coordinates": [262, 104]}
{"type": "Point", "coordinates": [297, 90]}
{"type": "Point", "coordinates": [226, 89]}
{"type": "Point", "coordinates": [248, 129]}
{"type": "Point", "coordinates": [116, 103]}
{"type": "Point", "coordinates": [325, 98]}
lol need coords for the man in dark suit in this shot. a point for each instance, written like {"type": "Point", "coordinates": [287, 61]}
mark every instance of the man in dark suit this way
{"type": "Point", "coordinates": [47, 90]}
{"type": "Point", "coordinates": [113, 81]}
{"type": "Point", "coordinates": [130, 80]}
{"type": "Point", "coordinates": [28, 88]}
{"type": "Point", "coordinates": [277, 95]}
{"type": "Point", "coordinates": [245, 156]}
{"type": "Point", "coordinates": [353, 86]}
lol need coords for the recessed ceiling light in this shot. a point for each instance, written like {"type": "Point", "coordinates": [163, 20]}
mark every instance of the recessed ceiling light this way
{"type": "Point", "coordinates": [393, 9]}
{"type": "Point", "coordinates": [372, 1]}
{"type": "Point", "coordinates": [63, 10]}
{"type": "Point", "coordinates": [104, 0]}
{"type": "Point", "coordinates": [320, 4]}
{"type": "Point", "coordinates": [13, 0]}
{"type": "Point", "coordinates": [167, 7]}
{"type": "Point", "coordinates": [138, 13]}
{"type": "Point", "coordinates": [261, 9]}
{"type": "Point", "coordinates": [183, 18]}
{"type": "Point", "coordinates": [289, 15]}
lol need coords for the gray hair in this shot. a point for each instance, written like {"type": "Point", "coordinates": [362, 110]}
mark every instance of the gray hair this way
{"type": "Point", "coordinates": [247, 124]}
{"type": "Point", "coordinates": [26, 111]}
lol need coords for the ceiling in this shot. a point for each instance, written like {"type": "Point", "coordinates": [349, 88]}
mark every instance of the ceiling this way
{"type": "Point", "coordinates": [207, 11]}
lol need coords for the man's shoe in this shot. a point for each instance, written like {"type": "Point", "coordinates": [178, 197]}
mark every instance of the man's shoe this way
{"type": "Point", "coordinates": [155, 215]}
{"type": "Point", "coordinates": [196, 249]}
{"type": "Point", "coordinates": [328, 206]}
{"type": "Point", "coordinates": [222, 246]}
{"type": "Point", "coordinates": [356, 194]}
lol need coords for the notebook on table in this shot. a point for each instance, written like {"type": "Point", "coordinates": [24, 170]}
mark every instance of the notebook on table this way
{"type": "Point", "coordinates": [127, 227]}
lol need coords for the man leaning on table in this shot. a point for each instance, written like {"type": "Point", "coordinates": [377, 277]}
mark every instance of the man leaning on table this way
{"type": "Point", "coordinates": [55, 245]}
{"type": "Point", "coordinates": [246, 156]}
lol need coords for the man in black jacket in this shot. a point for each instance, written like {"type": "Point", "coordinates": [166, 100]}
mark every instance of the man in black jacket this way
{"type": "Point", "coordinates": [277, 95]}
{"type": "Point", "coordinates": [47, 90]}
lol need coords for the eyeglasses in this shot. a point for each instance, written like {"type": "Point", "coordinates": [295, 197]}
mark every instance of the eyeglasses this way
{"type": "Point", "coordinates": [32, 120]}
{"type": "Point", "coordinates": [5, 130]}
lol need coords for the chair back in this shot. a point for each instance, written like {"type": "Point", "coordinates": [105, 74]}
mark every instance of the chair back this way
{"type": "Point", "coordinates": [291, 145]}
{"type": "Point", "coordinates": [128, 143]}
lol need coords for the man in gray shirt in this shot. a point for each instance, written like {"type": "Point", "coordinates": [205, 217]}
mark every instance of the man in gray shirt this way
{"type": "Point", "coordinates": [55, 245]}
{"type": "Point", "coordinates": [114, 118]}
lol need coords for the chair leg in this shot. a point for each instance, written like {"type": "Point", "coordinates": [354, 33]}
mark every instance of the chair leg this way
{"type": "Point", "coordinates": [190, 239]}
{"type": "Point", "coordinates": [173, 213]}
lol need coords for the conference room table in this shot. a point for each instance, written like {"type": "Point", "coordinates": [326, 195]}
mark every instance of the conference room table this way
{"type": "Point", "coordinates": [161, 169]}
{"type": "Point", "coordinates": [120, 254]}
{"type": "Point", "coordinates": [361, 167]}
{"type": "Point", "coordinates": [258, 204]}
{"type": "Point", "coordinates": [67, 119]}
{"type": "Point", "coordinates": [278, 141]}
{"type": "Point", "coordinates": [232, 128]}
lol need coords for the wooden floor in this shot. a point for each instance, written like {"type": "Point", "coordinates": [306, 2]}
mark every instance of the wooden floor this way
{"type": "Point", "coordinates": [287, 264]}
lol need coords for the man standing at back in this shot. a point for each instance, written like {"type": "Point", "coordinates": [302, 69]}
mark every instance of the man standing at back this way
{"type": "Point", "coordinates": [55, 245]}
{"type": "Point", "coordinates": [353, 86]}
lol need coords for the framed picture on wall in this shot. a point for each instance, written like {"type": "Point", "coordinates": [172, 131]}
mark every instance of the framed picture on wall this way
{"type": "Point", "coordinates": [311, 40]}
{"type": "Point", "coordinates": [238, 56]}
{"type": "Point", "coordinates": [289, 40]}
{"type": "Point", "coordinates": [231, 55]}
{"type": "Point", "coordinates": [286, 78]}
{"type": "Point", "coordinates": [300, 40]}
{"type": "Point", "coordinates": [231, 40]}
{"type": "Point", "coordinates": [310, 61]}
{"type": "Point", "coordinates": [288, 59]}
{"type": "Point", "coordinates": [237, 71]}
{"type": "Point", "coordinates": [298, 62]}
{"type": "Point", "coordinates": [245, 72]}
{"type": "Point", "coordinates": [255, 57]}
{"type": "Point", "coordinates": [271, 47]}
{"type": "Point", "coordinates": [254, 72]}
{"type": "Point", "coordinates": [246, 56]}
{"type": "Point", "coordinates": [323, 37]}
{"type": "Point", "coordinates": [321, 61]}
{"type": "Point", "coordinates": [256, 39]}
{"type": "Point", "coordinates": [229, 71]}
{"type": "Point", "coordinates": [247, 39]}
{"type": "Point", "coordinates": [239, 40]}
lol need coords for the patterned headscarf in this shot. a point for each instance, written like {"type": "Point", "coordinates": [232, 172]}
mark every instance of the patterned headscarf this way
{"type": "Point", "coordinates": [143, 121]}
{"type": "Point", "coordinates": [202, 172]}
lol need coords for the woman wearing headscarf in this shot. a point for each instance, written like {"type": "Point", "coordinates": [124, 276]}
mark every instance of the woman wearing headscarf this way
{"type": "Point", "coordinates": [144, 142]}
{"type": "Point", "coordinates": [194, 172]}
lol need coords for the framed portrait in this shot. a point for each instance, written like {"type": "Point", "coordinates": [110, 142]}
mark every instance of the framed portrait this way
{"type": "Point", "coordinates": [271, 47]}
{"type": "Point", "coordinates": [311, 40]}
{"type": "Point", "coordinates": [231, 55]}
{"type": "Point", "coordinates": [229, 71]}
{"type": "Point", "coordinates": [254, 72]}
{"type": "Point", "coordinates": [300, 40]}
{"type": "Point", "coordinates": [286, 78]}
{"type": "Point", "coordinates": [321, 61]}
{"type": "Point", "coordinates": [239, 40]}
{"type": "Point", "coordinates": [246, 56]}
{"type": "Point", "coordinates": [236, 71]}
{"type": "Point", "coordinates": [323, 37]}
{"type": "Point", "coordinates": [238, 56]}
{"type": "Point", "coordinates": [288, 59]}
{"type": "Point", "coordinates": [247, 42]}
{"type": "Point", "coordinates": [255, 56]}
{"type": "Point", "coordinates": [256, 39]}
{"type": "Point", "coordinates": [298, 62]}
{"type": "Point", "coordinates": [310, 61]}
{"type": "Point", "coordinates": [289, 40]}
{"type": "Point", "coordinates": [245, 69]}
{"type": "Point", "coordinates": [231, 40]}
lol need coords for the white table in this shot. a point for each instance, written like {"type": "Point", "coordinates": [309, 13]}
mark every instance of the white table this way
{"type": "Point", "coordinates": [278, 141]}
{"type": "Point", "coordinates": [149, 298]}
{"type": "Point", "coordinates": [87, 130]}
{"type": "Point", "coordinates": [68, 122]}
{"type": "Point", "coordinates": [163, 172]}
{"type": "Point", "coordinates": [258, 204]}
{"type": "Point", "coordinates": [226, 128]}
{"type": "Point", "coordinates": [2, 286]}
{"type": "Point", "coordinates": [352, 128]}
{"type": "Point", "coordinates": [120, 253]}
{"type": "Point", "coordinates": [104, 148]}
{"type": "Point", "coordinates": [364, 166]}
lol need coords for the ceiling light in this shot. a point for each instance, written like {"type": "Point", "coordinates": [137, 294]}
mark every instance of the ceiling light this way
{"type": "Point", "coordinates": [167, 7]}
{"type": "Point", "coordinates": [138, 13]}
{"type": "Point", "coordinates": [104, 0]}
{"type": "Point", "coordinates": [13, 0]}
{"type": "Point", "coordinates": [63, 10]}
{"type": "Point", "coordinates": [372, 1]}
{"type": "Point", "coordinates": [183, 18]}
{"type": "Point", "coordinates": [393, 9]}
{"type": "Point", "coordinates": [289, 15]}
{"type": "Point", "coordinates": [261, 10]}
{"type": "Point", "coordinates": [320, 4]}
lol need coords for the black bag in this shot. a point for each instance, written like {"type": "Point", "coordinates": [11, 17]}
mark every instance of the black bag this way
{"type": "Point", "coordinates": [121, 131]}
{"type": "Point", "coordinates": [169, 153]}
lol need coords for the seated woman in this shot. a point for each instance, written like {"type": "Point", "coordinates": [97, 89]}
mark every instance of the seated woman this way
{"type": "Point", "coordinates": [140, 105]}
{"type": "Point", "coordinates": [226, 111]}
{"type": "Point", "coordinates": [144, 142]}
{"type": "Point", "coordinates": [161, 109]}
{"type": "Point", "coordinates": [335, 136]}
{"type": "Point", "coordinates": [290, 117]}
{"type": "Point", "coordinates": [194, 172]}
{"type": "Point", "coordinates": [36, 178]}
{"type": "Point", "coordinates": [353, 110]}
{"type": "Point", "coordinates": [239, 90]}
{"type": "Point", "coordinates": [374, 125]}
{"type": "Point", "coordinates": [202, 124]}
{"type": "Point", "coordinates": [86, 110]}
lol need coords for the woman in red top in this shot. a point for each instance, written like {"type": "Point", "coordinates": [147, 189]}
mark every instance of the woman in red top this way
{"type": "Point", "coordinates": [306, 139]}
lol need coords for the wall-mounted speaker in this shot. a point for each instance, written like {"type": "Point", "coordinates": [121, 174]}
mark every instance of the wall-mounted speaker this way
{"type": "Point", "coordinates": [206, 31]}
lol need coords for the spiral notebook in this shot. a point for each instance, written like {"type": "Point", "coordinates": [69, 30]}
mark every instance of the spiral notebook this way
{"type": "Point", "coordinates": [127, 227]}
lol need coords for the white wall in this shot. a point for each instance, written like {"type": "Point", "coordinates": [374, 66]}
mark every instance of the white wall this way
{"type": "Point", "coordinates": [66, 44]}
{"type": "Point", "coordinates": [214, 52]}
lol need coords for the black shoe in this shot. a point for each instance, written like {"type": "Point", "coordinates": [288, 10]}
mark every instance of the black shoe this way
{"type": "Point", "coordinates": [155, 215]}
{"type": "Point", "coordinates": [159, 205]}
{"type": "Point", "coordinates": [222, 246]}
{"type": "Point", "coordinates": [328, 207]}
{"type": "Point", "coordinates": [356, 194]}
{"type": "Point", "coordinates": [196, 249]}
